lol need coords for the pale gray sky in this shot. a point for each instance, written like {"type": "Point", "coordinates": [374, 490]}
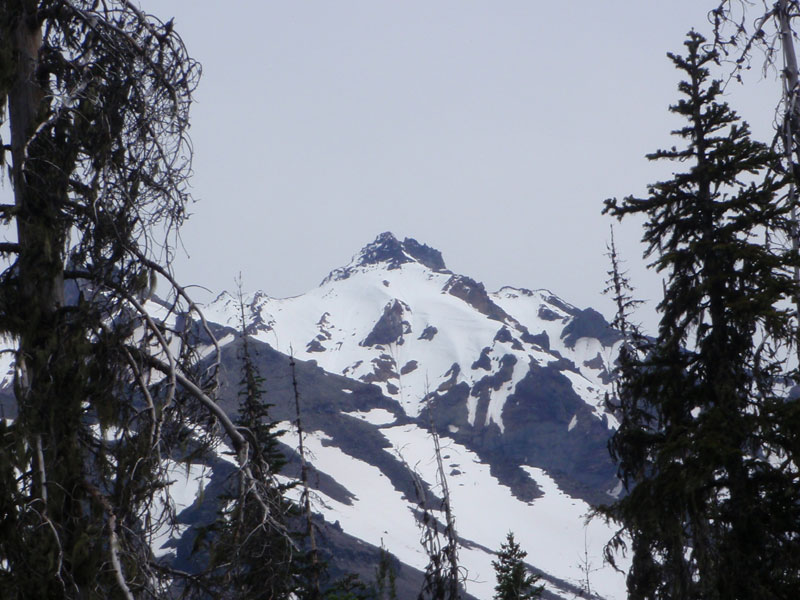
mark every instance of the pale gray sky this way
{"type": "Point", "coordinates": [490, 130]}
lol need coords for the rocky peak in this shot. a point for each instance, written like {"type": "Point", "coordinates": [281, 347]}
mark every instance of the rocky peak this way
{"type": "Point", "coordinates": [385, 249]}
{"type": "Point", "coordinates": [389, 251]}
{"type": "Point", "coordinates": [424, 254]}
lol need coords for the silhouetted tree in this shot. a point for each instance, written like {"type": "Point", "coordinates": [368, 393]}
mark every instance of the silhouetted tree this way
{"type": "Point", "coordinates": [741, 28]}
{"type": "Point", "coordinates": [708, 446]}
{"type": "Point", "coordinates": [385, 576]}
{"type": "Point", "coordinates": [252, 554]}
{"type": "Point", "coordinates": [96, 96]}
{"type": "Point", "coordinates": [442, 577]}
{"type": "Point", "coordinates": [514, 581]}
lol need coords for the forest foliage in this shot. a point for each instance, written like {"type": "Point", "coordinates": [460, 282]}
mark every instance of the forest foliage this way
{"type": "Point", "coordinates": [709, 421]}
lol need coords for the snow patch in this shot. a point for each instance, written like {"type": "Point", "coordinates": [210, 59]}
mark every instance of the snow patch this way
{"type": "Point", "coordinates": [376, 416]}
{"type": "Point", "coordinates": [187, 482]}
{"type": "Point", "coordinates": [551, 529]}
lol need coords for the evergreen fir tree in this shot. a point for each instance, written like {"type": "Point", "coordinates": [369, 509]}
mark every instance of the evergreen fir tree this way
{"type": "Point", "coordinates": [385, 576]}
{"type": "Point", "coordinates": [251, 553]}
{"type": "Point", "coordinates": [514, 581]}
{"type": "Point", "coordinates": [254, 409]}
{"type": "Point", "coordinates": [708, 444]}
{"type": "Point", "coordinates": [349, 587]}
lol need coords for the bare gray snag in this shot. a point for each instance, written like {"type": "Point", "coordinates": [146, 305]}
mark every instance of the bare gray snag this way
{"type": "Point", "coordinates": [743, 29]}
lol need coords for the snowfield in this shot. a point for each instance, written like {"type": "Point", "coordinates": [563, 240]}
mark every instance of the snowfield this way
{"type": "Point", "coordinates": [395, 317]}
{"type": "Point", "coordinates": [552, 528]}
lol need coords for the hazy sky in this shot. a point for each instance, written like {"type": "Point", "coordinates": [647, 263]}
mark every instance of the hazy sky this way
{"type": "Point", "coordinates": [491, 130]}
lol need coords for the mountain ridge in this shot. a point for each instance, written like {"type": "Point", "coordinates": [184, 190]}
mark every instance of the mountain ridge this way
{"type": "Point", "coordinates": [514, 378]}
{"type": "Point", "coordinates": [393, 345]}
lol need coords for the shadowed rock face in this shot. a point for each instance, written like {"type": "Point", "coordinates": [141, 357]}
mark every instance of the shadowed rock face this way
{"type": "Point", "coordinates": [428, 333]}
{"type": "Point", "coordinates": [591, 324]}
{"type": "Point", "coordinates": [385, 249]}
{"type": "Point", "coordinates": [326, 401]}
{"type": "Point", "coordinates": [536, 421]}
{"type": "Point", "coordinates": [474, 294]}
{"type": "Point", "coordinates": [388, 250]}
{"type": "Point", "coordinates": [424, 254]}
{"type": "Point", "coordinates": [390, 327]}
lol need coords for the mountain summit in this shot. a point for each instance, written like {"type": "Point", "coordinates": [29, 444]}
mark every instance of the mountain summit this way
{"type": "Point", "coordinates": [390, 252]}
{"type": "Point", "coordinates": [514, 381]}
{"type": "Point", "coordinates": [388, 348]}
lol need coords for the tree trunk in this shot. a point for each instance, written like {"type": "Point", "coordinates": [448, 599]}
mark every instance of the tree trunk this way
{"type": "Point", "coordinates": [791, 127]}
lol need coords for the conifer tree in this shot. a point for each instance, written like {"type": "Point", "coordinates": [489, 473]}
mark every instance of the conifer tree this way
{"type": "Point", "coordinates": [708, 452]}
{"type": "Point", "coordinates": [385, 576]}
{"type": "Point", "coordinates": [250, 556]}
{"type": "Point", "coordinates": [96, 98]}
{"type": "Point", "coordinates": [514, 581]}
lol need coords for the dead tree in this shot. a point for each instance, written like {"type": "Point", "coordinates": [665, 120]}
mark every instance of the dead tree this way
{"type": "Point", "coordinates": [96, 95]}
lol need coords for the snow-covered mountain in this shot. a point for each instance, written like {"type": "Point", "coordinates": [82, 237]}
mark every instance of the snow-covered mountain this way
{"type": "Point", "coordinates": [516, 380]}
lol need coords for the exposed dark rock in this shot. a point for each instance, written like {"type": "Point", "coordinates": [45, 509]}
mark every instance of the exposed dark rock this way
{"type": "Point", "coordinates": [559, 303]}
{"type": "Point", "coordinates": [392, 389]}
{"type": "Point", "coordinates": [589, 323]}
{"type": "Point", "coordinates": [503, 335]}
{"type": "Point", "coordinates": [539, 339]}
{"type": "Point", "coordinates": [256, 322]}
{"type": "Point", "coordinates": [428, 333]}
{"type": "Point", "coordinates": [346, 555]}
{"type": "Point", "coordinates": [388, 250]}
{"type": "Point", "coordinates": [548, 314]}
{"type": "Point", "coordinates": [513, 292]}
{"type": "Point", "coordinates": [408, 367]}
{"type": "Point", "coordinates": [385, 249]}
{"type": "Point", "coordinates": [323, 324]}
{"type": "Point", "coordinates": [450, 417]}
{"type": "Point", "coordinates": [352, 367]}
{"type": "Point", "coordinates": [430, 257]}
{"type": "Point", "coordinates": [599, 364]}
{"type": "Point", "coordinates": [391, 327]}
{"type": "Point", "coordinates": [315, 346]}
{"type": "Point", "coordinates": [383, 369]}
{"type": "Point", "coordinates": [474, 294]}
{"type": "Point", "coordinates": [496, 380]}
{"type": "Point", "coordinates": [563, 364]}
{"type": "Point", "coordinates": [595, 363]}
{"type": "Point", "coordinates": [452, 376]}
{"type": "Point", "coordinates": [537, 415]}
{"type": "Point", "coordinates": [449, 408]}
{"type": "Point", "coordinates": [483, 362]}
{"type": "Point", "coordinates": [483, 388]}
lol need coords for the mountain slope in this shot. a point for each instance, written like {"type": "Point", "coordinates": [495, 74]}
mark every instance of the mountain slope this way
{"type": "Point", "coordinates": [388, 347]}
{"type": "Point", "coordinates": [515, 379]}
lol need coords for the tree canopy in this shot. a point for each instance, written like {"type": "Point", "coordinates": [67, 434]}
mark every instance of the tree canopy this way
{"type": "Point", "coordinates": [514, 581]}
{"type": "Point", "coordinates": [96, 96]}
{"type": "Point", "coordinates": [707, 446]}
